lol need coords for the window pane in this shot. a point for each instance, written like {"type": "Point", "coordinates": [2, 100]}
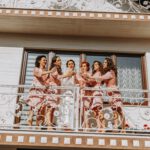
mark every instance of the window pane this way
{"type": "Point", "coordinates": [92, 58]}
{"type": "Point", "coordinates": [129, 75]}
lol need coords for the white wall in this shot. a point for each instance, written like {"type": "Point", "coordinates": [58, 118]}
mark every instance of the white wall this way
{"type": "Point", "coordinates": [101, 44]}
{"type": "Point", "coordinates": [148, 68]}
{"type": "Point", "coordinates": [148, 72]}
{"type": "Point", "coordinates": [10, 65]}
{"type": "Point", "coordinates": [10, 60]}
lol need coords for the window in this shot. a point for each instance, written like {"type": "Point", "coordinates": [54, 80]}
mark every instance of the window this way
{"type": "Point", "coordinates": [130, 76]}
{"type": "Point", "coordinates": [129, 67]}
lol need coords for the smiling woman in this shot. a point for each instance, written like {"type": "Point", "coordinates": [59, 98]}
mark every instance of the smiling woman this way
{"type": "Point", "coordinates": [128, 66]}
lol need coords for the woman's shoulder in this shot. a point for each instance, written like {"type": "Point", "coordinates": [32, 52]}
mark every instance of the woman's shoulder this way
{"type": "Point", "coordinates": [98, 73]}
{"type": "Point", "coordinates": [112, 72]}
{"type": "Point", "coordinates": [36, 69]}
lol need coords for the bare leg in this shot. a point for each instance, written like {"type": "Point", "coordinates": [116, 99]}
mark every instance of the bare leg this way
{"type": "Point", "coordinates": [101, 122]}
{"type": "Point", "coordinates": [48, 118]}
{"type": "Point", "coordinates": [122, 117]}
{"type": "Point", "coordinates": [85, 123]}
{"type": "Point", "coordinates": [30, 118]}
{"type": "Point", "coordinates": [115, 114]}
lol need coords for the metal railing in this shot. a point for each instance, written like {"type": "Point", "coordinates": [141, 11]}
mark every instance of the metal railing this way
{"type": "Point", "coordinates": [64, 108]}
{"type": "Point", "coordinates": [131, 6]}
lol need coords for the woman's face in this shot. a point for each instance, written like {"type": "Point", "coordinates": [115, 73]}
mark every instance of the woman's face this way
{"type": "Point", "coordinates": [70, 65]}
{"type": "Point", "coordinates": [43, 62]}
{"type": "Point", "coordinates": [105, 64]}
{"type": "Point", "coordinates": [58, 61]}
{"type": "Point", "coordinates": [84, 67]}
{"type": "Point", "coordinates": [96, 66]}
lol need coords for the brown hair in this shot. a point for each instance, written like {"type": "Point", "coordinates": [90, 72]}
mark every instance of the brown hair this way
{"type": "Point", "coordinates": [59, 70]}
{"type": "Point", "coordinates": [87, 64]}
{"type": "Point", "coordinates": [69, 61]}
{"type": "Point", "coordinates": [110, 66]}
{"type": "Point", "coordinates": [38, 58]}
{"type": "Point", "coordinates": [100, 67]}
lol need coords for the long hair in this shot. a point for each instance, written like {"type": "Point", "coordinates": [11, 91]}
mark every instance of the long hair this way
{"type": "Point", "coordinates": [110, 66]}
{"type": "Point", "coordinates": [38, 58]}
{"type": "Point", "coordinates": [100, 67]}
{"type": "Point", "coordinates": [59, 70]}
{"type": "Point", "coordinates": [87, 64]}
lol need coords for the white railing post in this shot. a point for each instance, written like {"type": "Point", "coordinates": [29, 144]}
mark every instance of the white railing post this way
{"type": "Point", "coordinates": [77, 91]}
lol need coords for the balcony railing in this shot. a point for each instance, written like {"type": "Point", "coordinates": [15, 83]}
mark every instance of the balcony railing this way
{"type": "Point", "coordinates": [131, 6]}
{"type": "Point", "coordinates": [73, 109]}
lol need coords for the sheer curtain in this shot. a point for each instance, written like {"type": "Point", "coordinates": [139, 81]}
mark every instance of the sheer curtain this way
{"type": "Point", "coordinates": [129, 76]}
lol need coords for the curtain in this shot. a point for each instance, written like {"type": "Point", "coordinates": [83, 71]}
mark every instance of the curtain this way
{"type": "Point", "coordinates": [130, 76]}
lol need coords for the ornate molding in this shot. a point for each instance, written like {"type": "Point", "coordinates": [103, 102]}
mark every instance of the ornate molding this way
{"type": "Point", "coordinates": [74, 14]}
{"type": "Point", "coordinates": [99, 141]}
{"type": "Point", "coordinates": [80, 5]}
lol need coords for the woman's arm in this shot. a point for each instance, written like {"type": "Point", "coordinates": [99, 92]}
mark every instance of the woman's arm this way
{"type": "Point", "coordinates": [39, 73]}
{"type": "Point", "coordinates": [66, 74]}
{"type": "Point", "coordinates": [106, 76]}
{"type": "Point", "coordinates": [49, 71]}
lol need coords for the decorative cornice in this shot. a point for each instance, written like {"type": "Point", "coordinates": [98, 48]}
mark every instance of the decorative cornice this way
{"type": "Point", "coordinates": [79, 15]}
{"type": "Point", "coordinates": [75, 140]}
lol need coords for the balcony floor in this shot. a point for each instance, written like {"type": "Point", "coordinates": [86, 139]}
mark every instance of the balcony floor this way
{"type": "Point", "coordinates": [62, 140]}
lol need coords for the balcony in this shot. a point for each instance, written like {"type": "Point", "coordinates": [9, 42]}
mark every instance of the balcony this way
{"type": "Point", "coordinates": [64, 119]}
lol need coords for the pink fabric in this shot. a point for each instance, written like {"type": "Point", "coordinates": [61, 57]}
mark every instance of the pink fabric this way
{"type": "Point", "coordinates": [83, 83]}
{"type": "Point", "coordinates": [115, 96]}
{"type": "Point", "coordinates": [38, 78]}
{"type": "Point", "coordinates": [109, 78]}
{"type": "Point", "coordinates": [97, 75]}
{"type": "Point", "coordinates": [36, 94]}
{"type": "Point", "coordinates": [54, 80]}
{"type": "Point", "coordinates": [97, 100]}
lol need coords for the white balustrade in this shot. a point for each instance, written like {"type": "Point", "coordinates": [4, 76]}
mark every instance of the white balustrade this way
{"type": "Point", "coordinates": [68, 112]}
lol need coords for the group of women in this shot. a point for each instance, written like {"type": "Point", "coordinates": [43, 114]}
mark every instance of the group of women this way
{"type": "Point", "coordinates": [45, 100]}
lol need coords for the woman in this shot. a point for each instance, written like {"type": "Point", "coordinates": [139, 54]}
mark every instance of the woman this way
{"type": "Point", "coordinates": [83, 82]}
{"type": "Point", "coordinates": [67, 103]}
{"type": "Point", "coordinates": [55, 79]}
{"type": "Point", "coordinates": [70, 64]}
{"type": "Point", "coordinates": [36, 94]}
{"type": "Point", "coordinates": [116, 102]}
{"type": "Point", "coordinates": [97, 104]}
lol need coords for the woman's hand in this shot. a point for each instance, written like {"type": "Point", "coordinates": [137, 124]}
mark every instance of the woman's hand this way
{"type": "Point", "coordinates": [68, 74]}
{"type": "Point", "coordinates": [98, 79]}
{"type": "Point", "coordinates": [53, 70]}
{"type": "Point", "coordinates": [85, 76]}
